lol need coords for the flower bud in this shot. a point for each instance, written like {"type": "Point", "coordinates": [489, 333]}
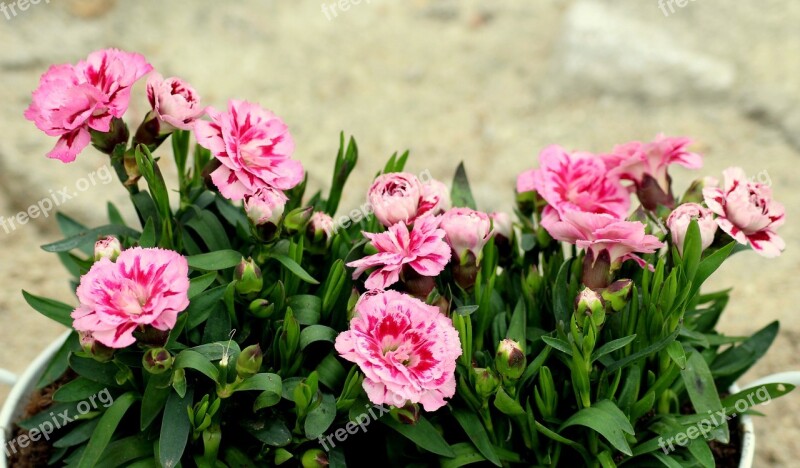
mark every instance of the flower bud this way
{"type": "Point", "coordinates": [157, 360]}
{"type": "Point", "coordinates": [596, 270]}
{"type": "Point", "coordinates": [395, 197]}
{"type": "Point", "coordinates": [618, 294]}
{"type": "Point", "coordinates": [117, 134]}
{"type": "Point", "coordinates": [297, 219]}
{"type": "Point", "coordinates": [314, 458]}
{"type": "Point", "coordinates": [150, 336]}
{"type": "Point", "coordinates": [651, 194]}
{"type": "Point", "coordinates": [97, 350]}
{"type": "Point", "coordinates": [467, 231]}
{"type": "Point", "coordinates": [249, 362]}
{"type": "Point", "coordinates": [261, 308]}
{"type": "Point", "coordinates": [510, 360]}
{"type": "Point", "coordinates": [174, 102]}
{"type": "Point", "coordinates": [679, 220]}
{"type": "Point", "coordinates": [108, 247]}
{"type": "Point", "coordinates": [418, 285]}
{"type": "Point", "coordinates": [486, 382]}
{"type": "Point", "coordinates": [265, 206]}
{"type": "Point", "coordinates": [590, 304]}
{"type": "Point", "coordinates": [406, 414]}
{"type": "Point", "coordinates": [320, 228]}
{"type": "Point", "coordinates": [248, 277]}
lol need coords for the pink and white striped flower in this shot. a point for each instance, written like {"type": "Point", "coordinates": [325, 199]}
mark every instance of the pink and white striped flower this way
{"type": "Point", "coordinates": [406, 349]}
{"type": "Point", "coordinates": [747, 212]}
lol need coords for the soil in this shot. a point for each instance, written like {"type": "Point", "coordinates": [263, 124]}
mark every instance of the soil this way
{"type": "Point", "coordinates": [729, 455]}
{"type": "Point", "coordinates": [37, 453]}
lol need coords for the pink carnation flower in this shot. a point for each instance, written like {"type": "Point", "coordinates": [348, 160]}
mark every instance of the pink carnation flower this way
{"type": "Point", "coordinates": [599, 232]}
{"type": "Point", "coordinates": [265, 205]}
{"type": "Point", "coordinates": [143, 287]}
{"type": "Point", "coordinates": [747, 212]}
{"type": "Point", "coordinates": [680, 218]}
{"type": "Point", "coordinates": [72, 99]}
{"type": "Point", "coordinates": [406, 349]}
{"type": "Point", "coordinates": [646, 163]}
{"type": "Point", "coordinates": [466, 230]}
{"type": "Point", "coordinates": [434, 199]}
{"type": "Point", "coordinates": [395, 197]}
{"type": "Point", "coordinates": [254, 148]}
{"type": "Point", "coordinates": [577, 181]}
{"type": "Point", "coordinates": [422, 248]}
{"type": "Point", "coordinates": [174, 101]}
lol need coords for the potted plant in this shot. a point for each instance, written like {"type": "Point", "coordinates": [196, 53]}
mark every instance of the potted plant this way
{"type": "Point", "coordinates": [246, 325]}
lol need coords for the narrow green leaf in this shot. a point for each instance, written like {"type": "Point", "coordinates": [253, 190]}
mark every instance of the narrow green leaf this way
{"type": "Point", "coordinates": [175, 429]}
{"type": "Point", "coordinates": [461, 194]}
{"type": "Point", "coordinates": [294, 267]}
{"type": "Point", "coordinates": [105, 430]}
{"type": "Point", "coordinates": [89, 237]}
{"type": "Point", "coordinates": [218, 260]}
{"type": "Point", "coordinates": [50, 308]}
{"type": "Point", "coordinates": [609, 421]}
{"type": "Point", "coordinates": [472, 425]}
{"type": "Point", "coordinates": [422, 434]}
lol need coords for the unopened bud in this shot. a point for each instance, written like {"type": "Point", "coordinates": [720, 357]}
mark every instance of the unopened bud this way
{"type": "Point", "coordinates": [94, 348]}
{"type": "Point", "coordinates": [590, 304]}
{"type": "Point", "coordinates": [314, 458]}
{"type": "Point", "coordinates": [249, 362]}
{"type": "Point", "coordinates": [248, 277]}
{"type": "Point", "coordinates": [157, 360]}
{"type": "Point", "coordinates": [407, 414]}
{"type": "Point", "coordinates": [618, 294]}
{"type": "Point", "coordinates": [651, 194]}
{"type": "Point", "coordinates": [510, 360]}
{"type": "Point", "coordinates": [418, 285]}
{"type": "Point", "coordinates": [320, 228]}
{"type": "Point", "coordinates": [261, 308]}
{"type": "Point", "coordinates": [297, 219]}
{"type": "Point", "coordinates": [486, 382]}
{"type": "Point", "coordinates": [107, 247]}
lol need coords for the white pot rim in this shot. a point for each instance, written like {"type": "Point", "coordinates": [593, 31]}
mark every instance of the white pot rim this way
{"type": "Point", "coordinates": [12, 408]}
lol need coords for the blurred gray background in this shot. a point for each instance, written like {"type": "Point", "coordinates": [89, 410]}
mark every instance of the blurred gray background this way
{"type": "Point", "coordinates": [490, 83]}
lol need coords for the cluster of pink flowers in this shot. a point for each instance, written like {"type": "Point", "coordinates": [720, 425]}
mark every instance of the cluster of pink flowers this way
{"type": "Point", "coordinates": [141, 288]}
{"type": "Point", "coordinates": [406, 349]}
{"type": "Point", "coordinates": [71, 100]}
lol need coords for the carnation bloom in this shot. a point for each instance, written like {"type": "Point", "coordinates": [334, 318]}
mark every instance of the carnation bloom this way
{"type": "Point", "coordinates": [321, 224]}
{"type": "Point", "coordinates": [646, 164]}
{"type": "Point", "coordinates": [72, 99]}
{"type": "Point", "coordinates": [747, 212]}
{"type": "Point", "coordinates": [406, 349]}
{"type": "Point", "coordinates": [265, 206]}
{"type": "Point", "coordinates": [501, 224]}
{"type": "Point", "coordinates": [395, 197]}
{"type": "Point", "coordinates": [254, 148]}
{"type": "Point", "coordinates": [434, 199]}
{"type": "Point", "coordinates": [598, 233]}
{"type": "Point", "coordinates": [680, 218]}
{"type": "Point", "coordinates": [466, 230]}
{"type": "Point", "coordinates": [143, 287]}
{"type": "Point", "coordinates": [577, 181]}
{"type": "Point", "coordinates": [422, 248]}
{"type": "Point", "coordinates": [174, 101]}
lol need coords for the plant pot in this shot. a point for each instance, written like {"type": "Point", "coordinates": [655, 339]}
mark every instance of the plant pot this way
{"type": "Point", "coordinates": [22, 388]}
{"type": "Point", "coordinates": [25, 384]}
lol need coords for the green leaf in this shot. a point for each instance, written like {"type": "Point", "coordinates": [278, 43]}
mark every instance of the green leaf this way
{"type": "Point", "coordinates": [105, 430]}
{"type": "Point", "coordinates": [124, 451]}
{"type": "Point", "coordinates": [677, 354]}
{"type": "Point", "coordinates": [60, 361]}
{"type": "Point", "coordinates": [558, 344]}
{"type": "Point", "coordinates": [79, 389]}
{"type": "Point", "coordinates": [315, 333]}
{"type": "Point", "coordinates": [709, 265]}
{"type": "Point", "coordinates": [692, 249]}
{"type": "Point", "coordinates": [188, 359]}
{"type": "Point", "coordinates": [423, 434]}
{"type": "Point", "coordinates": [294, 267]}
{"type": "Point", "coordinates": [175, 429]}
{"type": "Point", "coordinates": [201, 283]}
{"type": "Point", "coordinates": [89, 237]}
{"type": "Point", "coordinates": [102, 372]}
{"type": "Point", "coordinates": [262, 382]}
{"type": "Point", "coordinates": [149, 238]}
{"type": "Point", "coordinates": [464, 454]}
{"type": "Point", "coordinates": [320, 418]}
{"type": "Point", "coordinates": [78, 435]}
{"type": "Point", "coordinates": [702, 390]}
{"type": "Point", "coordinates": [643, 353]}
{"type": "Point", "coordinates": [472, 425]}
{"type": "Point", "coordinates": [507, 405]}
{"type": "Point", "coordinates": [51, 309]}
{"type": "Point", "coordinates": [609, 421]}
{"type": "Point", "coordinates": [218, 260]}
{"type": "Point", "coordinates": [346, 161]}
{"type": "Point", "coordinates": [70, 227]}
{"type": "Point", "coordinates": [516, 329]}
{"type": "Point", "coordinates": [734, 362]}
{"type": "Point", "coordinates": [611, 346]}
{"type": "Point", "coordinates": [307, 308]}
{"type": "Point", "coordinates": [210, 230]}
{"type": "Point", "coordinates": [461, 194]}
{"type": "Point", "coordinates": [272, 431]}
{"type": "Point", "coordinates": [155, 397]}
{"type": "Point", "coordinates": [761, 394]}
